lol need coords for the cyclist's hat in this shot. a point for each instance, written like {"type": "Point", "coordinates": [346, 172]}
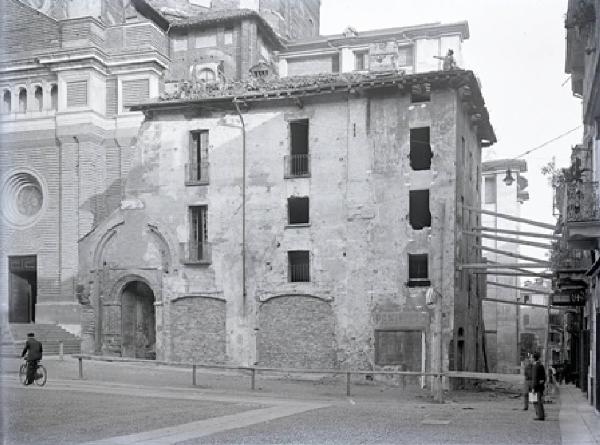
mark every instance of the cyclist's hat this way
{"type": "Point", "coordinates": [31, 334]}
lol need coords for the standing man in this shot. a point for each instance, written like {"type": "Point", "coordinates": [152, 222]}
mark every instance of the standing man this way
{"type": "Point", "coordinates": [33, 349]}
{"type": "Point", "coordinates": [539, 382]}
{"type": "Point", "coordinates": [527, 385]}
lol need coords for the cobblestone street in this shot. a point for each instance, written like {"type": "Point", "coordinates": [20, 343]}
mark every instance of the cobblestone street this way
{"type": "Point", "coordinates": [162, 407]}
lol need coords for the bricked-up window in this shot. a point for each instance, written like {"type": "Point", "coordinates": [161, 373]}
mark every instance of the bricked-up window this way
{"type": "Point", "coordinates": [420, 149]}
{"type": "Point", "coordinates": [22, 100]}
{"type": "Point", "coordinates": [419, 215]}
{"type": "Point", "coordinates": [135, 91]}
{"type": "Point", "coordinates": [54, 97]}
{"type": "Point", "coordinates": [206, 40]}
{"type": "Point", "coordinates": [361, 60]}
{"type": "Point", "coordinates": [77, 93]}
{"type": "Point", "coordinates": [298, 162]}
{"type": "Point", "coordinates": [399, 347]}
{"type": "Point", "coordinates": [490, 190]}
{"type": "Point", "coordinates": [420, 93]}
{"type": "Point", "coordinates": [38, 97]}
{"type": "Point", "coordinates": [418, 270]}
{"type": "Point", "coordinates": [298, 266]}
{"type": "Point", "coordinates": [197, 167]}
{"type": "Point", "coordinates": [197, 249]}
{"type": "Point", "coordinates": [525, 319]}
{"type": "Point", "coordinates": [298, 210]}
{"type": "Point", "coordinates": [6, 101]}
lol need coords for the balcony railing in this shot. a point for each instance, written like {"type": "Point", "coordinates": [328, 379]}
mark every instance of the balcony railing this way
{"type": "Point", "coordinates": [299, 272]}
{"type": "Point", "coordinates": [196, 174]}
{"type": "Point", "coordinates": [297, 166]}
{"type": "Point", "coordinates": [583, 202]}
{"type": "Point", "coordinates": [195, 253]}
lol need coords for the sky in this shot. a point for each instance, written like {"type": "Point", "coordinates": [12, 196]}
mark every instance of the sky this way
{"type": "Point", "coordinates": [517, 49]}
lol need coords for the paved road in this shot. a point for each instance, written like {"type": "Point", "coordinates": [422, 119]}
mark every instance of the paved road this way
{"type": "Point", "coordinates": [134, 404]}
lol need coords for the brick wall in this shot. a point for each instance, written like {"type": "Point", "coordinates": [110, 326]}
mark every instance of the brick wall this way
{"type": "Point", "coordinates": [296, 332]}
{"type": "Point", "coordinates": [17, 37]}
{"type": "Point", "coordinates": [200, 337]}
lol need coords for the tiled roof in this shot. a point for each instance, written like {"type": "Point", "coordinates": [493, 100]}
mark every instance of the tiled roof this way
{"type": "Point", "coordinates": [298, 87]}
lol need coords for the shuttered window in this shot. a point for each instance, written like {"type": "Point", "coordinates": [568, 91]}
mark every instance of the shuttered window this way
{"type": "Point", "coordinates": [77, 93]}
{"type": "Point", "coordinates": [135, 91]}
{"type": "Point", "coordinates": [111, 97]}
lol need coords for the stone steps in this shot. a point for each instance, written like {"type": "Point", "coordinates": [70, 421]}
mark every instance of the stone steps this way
{"type": "Point", "coordinates": [49, 334]}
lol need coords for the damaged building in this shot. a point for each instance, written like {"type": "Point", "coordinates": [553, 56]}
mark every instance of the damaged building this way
{"type": "Point", "coordinates": [289, 203]}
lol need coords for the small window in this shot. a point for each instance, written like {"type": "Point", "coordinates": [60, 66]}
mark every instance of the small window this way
{"type": "Point", "coordinates": [298, 210]}
{"type": "Point", "coordinates": [197, 166]}
{"type": "Point", "coordinates": [420, 149]}
{"type": "Point", "coordinates": [419, 214]}
{"type": "Point", "coordinates": [420, 93]}
{"type": "Point", "coordinates": [418, 270]}
{"type": "Point", "coordinates": [335, 63]}
{"type": "Point", "coordinates": [526, 319]}
{"type": "Point", "coordinates": [298, 266]}
{"type": "Point", "coordinates": [6, 102]}
{"type": "Point", "coordinates": [197, 249]}
{"type": "Point", "coordinates": [490, 190]}
{"type": "Point", "coordinates": [38, 96]}
{"type": "Point", "coordinates": [22, 100]}
{"type": "Point", "coordinates": [54, 97]}
{"type": "Point", "coordinates": [361, 60]}
{"type": "Point", "coordinates": [206, 40]}
{"type": "Point", "coordinates": [298, 161]}
{"type": "Point", "coordinates": [228, 36]}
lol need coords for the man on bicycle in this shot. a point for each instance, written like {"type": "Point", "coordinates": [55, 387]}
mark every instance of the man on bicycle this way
{"type": "Point", "coordinates": [33, 356]}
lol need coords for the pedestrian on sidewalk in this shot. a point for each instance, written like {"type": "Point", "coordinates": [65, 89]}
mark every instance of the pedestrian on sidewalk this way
{"type": "Point", "coordinates": [539, 383]}
{"type": "Point", "coordinates": [33, 349]}
{"type": "Point", "coordinates": [527, 386]}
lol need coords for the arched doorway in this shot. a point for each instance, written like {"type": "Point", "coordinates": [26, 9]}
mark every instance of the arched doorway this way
{"type": "Point", "coordinates": [138, 323]}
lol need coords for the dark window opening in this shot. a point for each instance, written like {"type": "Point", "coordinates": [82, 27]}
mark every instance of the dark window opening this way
{"type": "Point", "coordinates": [54, 97]}
{"type": "Point", "coordinates": [361, 61]}
{"type": "Point", "coordinates": [38, 95]}
{"type": "Point", "coordinates": [418, 270]}
{"type": "Point", "coordinates": [6, 102]}
{"type": "Point", "coordinates": [197, 250]}
{"type": "Point", "coordinates": [22, 100]}
{"type": "Point", "coordinates": [197, 167]}
{"type": "Point", "coordinates": [420, 93]}
{"type": "Point", "coordinates": [298, 162]}
{"type": "Point", "coordinates": [298, 212]}
{"type": "Point", "coordinates": [419, 215]}
{"type": "Point", "coordinates": [298, 266]}
{"type": "Point", "coordinates": [420, 149]}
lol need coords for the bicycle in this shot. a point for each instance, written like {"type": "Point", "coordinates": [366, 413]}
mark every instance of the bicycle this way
{"type": "Point", "coordinates": [41, 375]}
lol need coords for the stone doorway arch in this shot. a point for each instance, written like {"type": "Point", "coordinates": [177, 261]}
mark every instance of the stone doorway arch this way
{"type": "Point", "coordinates": [138, 321]}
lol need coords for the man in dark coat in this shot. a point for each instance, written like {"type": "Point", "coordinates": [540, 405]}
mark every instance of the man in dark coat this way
{"type": "Point", "coordinates": [527, 386]}
{"type": "Point", "coordinates": [539, 382]}
{"type": "Point", "coordinates": [33, 349]}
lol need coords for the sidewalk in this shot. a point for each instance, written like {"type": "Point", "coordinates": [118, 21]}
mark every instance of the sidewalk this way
{"type": "Point", "coordinates": [579, 424]}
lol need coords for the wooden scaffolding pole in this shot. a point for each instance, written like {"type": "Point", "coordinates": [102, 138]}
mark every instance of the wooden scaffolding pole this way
{"type": "Point", "coordinates": [510, 286]}
{"type": "Point", "coordinates": [509, 240]}
{"type": "Point", "coordinates": [514, 303]}
{"type": "Point", "coordinates": [494, 265]}
{"type": "Point", "coordinates": [517, 232]}
{"type": "Point", "coordinates": [513, 274]}
{"type": "Point", "coordinates": [512, 218]}
{"type": "Point", "coordinates": [508, 253]}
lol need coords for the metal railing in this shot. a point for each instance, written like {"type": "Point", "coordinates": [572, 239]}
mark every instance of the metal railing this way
{"type": "Point", "coordinates": [195, 253]}
{"type": "Point", "coordinates": [583, 202]}
{"type": "Point", "coordinates": [297, 166]}
{"type": "Point", "coordinates": [299, 272]}
{"type": "Point", "coordinates": [196, 174]}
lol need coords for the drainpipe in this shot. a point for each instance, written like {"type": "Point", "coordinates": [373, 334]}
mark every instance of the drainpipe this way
{"type": "Point", "coordinates": [237, 107]}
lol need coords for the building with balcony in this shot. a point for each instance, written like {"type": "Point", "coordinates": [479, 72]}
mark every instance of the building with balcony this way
{"type": "Point", "coordinates": [579, 199]}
